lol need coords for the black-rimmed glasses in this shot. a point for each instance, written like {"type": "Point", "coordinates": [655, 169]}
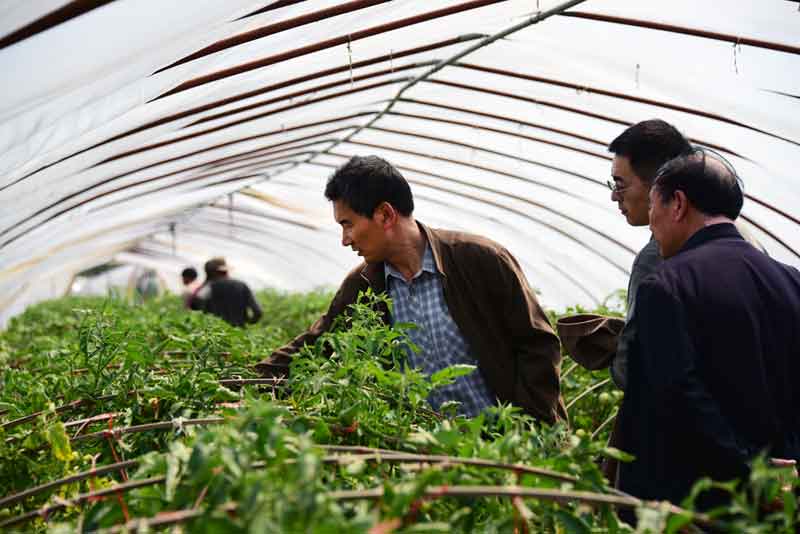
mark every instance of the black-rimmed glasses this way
{"type": "Point", "coordinates": [612, 185]}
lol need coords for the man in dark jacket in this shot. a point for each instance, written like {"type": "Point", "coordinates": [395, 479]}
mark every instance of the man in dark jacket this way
{"type": "Point", "coordinates": [713, 365]}
{"type": "Point", "coordinates": [226, 297]}
{"type": "Point", "coordinates": [467, 295]}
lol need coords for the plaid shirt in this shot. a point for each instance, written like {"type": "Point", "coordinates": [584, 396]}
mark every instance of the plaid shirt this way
{"type": "Point", "coordinates": [441, 344]}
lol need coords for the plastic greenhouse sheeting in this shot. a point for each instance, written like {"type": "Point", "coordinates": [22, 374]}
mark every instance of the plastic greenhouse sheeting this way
{"type": "Point", "coordinates": [162, 133]}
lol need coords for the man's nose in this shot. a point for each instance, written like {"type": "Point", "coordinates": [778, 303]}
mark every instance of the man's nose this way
{"type": "Point", "coordinates": [614, 196]}
{"type": "Point", "coordinates": [346, 239]}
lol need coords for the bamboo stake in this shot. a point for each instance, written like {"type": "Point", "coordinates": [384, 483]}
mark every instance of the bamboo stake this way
{"type": "Point", "coordinates": [175, 423]}
{"type": "Point", "coordinates": [47, 510]}
{"type": "Point", "coordinates": [78, 477]}
{"type": "Point", "coordinates": [589, 498]}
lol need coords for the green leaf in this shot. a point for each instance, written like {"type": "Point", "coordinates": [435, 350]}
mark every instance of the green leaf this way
{"type": "Point", "coordinates": [58, 439]}
{"type": "Point", "coordinates": [622, 456]}
{"type": "Point", "coordinates": [573, 524]}
{"type": "Point", "coordinates": [449, 374]}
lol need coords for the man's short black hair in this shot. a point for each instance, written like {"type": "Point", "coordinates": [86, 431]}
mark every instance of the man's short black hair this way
{"type": "Point", "coordinates": [364, 182]}
{"type": "Point", "coordinates": [648, 145]}
{"type": "Point", "coordinates": [708, 180]}
{"type": "Point", "coordinates": [189, 273]}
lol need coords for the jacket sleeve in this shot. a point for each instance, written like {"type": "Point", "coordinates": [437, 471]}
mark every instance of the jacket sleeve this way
{"type": "Point", "coordinates": [277, 364]}
{"type": "Point", "coordinates": [668, 363]}
{"type": "Point", "coordinates": [536, 346]}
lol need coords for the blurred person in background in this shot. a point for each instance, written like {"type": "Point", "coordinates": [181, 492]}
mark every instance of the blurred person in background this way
{"type": "Point", "coordinates": [191, 284]}
{"type": "Point", "coordinates": [226, 297]}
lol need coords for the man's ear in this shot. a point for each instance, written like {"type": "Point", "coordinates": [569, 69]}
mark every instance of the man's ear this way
{"type": "Point", "coordinates": [680, 206]}
{"type": "Point", "coordinates": [385, 215]}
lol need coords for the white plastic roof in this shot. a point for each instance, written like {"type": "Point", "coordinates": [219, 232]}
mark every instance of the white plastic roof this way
{"type": "Point", "coordinates": [120, 120]}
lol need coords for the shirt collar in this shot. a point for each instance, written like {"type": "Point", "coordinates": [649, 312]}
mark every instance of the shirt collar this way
{"type": "Point", "coordinates": [428, 265]}
{"type": "Point", "coordinates": [709, 233]}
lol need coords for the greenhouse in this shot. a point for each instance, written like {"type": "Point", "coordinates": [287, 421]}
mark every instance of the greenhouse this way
{"type": "Point", "coordinates": [139, 138]}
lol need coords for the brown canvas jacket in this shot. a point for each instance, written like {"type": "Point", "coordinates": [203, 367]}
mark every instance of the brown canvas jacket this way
{"type": "Point", "coordinates": [496, 310]}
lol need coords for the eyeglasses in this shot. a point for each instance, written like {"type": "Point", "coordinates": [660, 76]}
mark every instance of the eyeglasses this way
{"type": "Point", "coordinates": [614, 187]}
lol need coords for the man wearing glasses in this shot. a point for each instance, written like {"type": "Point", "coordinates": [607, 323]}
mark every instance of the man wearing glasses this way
{"type": "Point", "coordinates": [638, 153]}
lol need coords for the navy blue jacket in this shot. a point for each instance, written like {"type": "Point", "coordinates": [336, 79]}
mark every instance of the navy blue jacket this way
{"type": "Point", "coordinates": [713, 368]}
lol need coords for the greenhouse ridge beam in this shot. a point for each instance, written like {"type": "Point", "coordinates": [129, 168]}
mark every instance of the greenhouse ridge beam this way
{"type": "Point", "coordinates": [329, 43]}
{"type": "Point", "coordinates": [623, 96]}
{"type": "Point", "coordinates": [735, 39]}
{"type": "Point", "coordinates": [277, 27]}
{"type": "Point", "coordinates": [72, 9]}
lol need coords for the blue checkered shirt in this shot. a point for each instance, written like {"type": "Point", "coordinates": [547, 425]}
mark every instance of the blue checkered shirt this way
{"type": "Point", "coordinates": [441, 344]}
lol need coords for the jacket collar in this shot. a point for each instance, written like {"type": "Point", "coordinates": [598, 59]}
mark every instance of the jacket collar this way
{"type": "Point", "coordinates": [710, 233]}
{"type": "Point", "coordinates": [436, 247]}
{"type": "Point", "coordinates": [374, 273]}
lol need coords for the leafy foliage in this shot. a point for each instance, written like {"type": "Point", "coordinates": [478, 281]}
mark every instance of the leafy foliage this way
{"type": "Point", "coordinates": [347, 444]}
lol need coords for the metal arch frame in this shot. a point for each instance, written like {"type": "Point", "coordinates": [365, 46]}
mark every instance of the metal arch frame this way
{"type": "Point", "coordinates": [277, 4]}
{"type": "Point", "coordinates": [311, 90]}
{"type": "Point", "coordinates": [211, 220]}
{"type": "Point", "coordinates": [758, 201]}
{"type": "Point", "coordinates": [208, 149]}
{"type": "Point", "coordinates": [249, 119]}
{"type": "Point", "coordinates": [244, 242]}
{"type": "Point", "coordinates": [275, 28]}
{"type": "Point", "coordinates": [249, 94]}
{"type": "Point", "coordinates": [544, 127]}
{"type": "Point", "coordinates": [621, 96]}
{"type": "Point", "coordinates": [71, 10]}
{"type": "Point", "coordinates": [672, 28]}
{"type": "Point", "coordinates": [209, 164]}
{"type": "Point", "coordinates": [379, 117]}
{"type": "Point", "coordinates": [329, 43]}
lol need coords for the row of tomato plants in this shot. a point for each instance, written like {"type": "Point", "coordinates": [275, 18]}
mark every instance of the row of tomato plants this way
{"type": "Point", "coordinates": [152, 414]}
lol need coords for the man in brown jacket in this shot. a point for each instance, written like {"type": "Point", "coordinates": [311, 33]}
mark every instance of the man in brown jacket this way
{"type": "Point", "coordinates": [467, 295]}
